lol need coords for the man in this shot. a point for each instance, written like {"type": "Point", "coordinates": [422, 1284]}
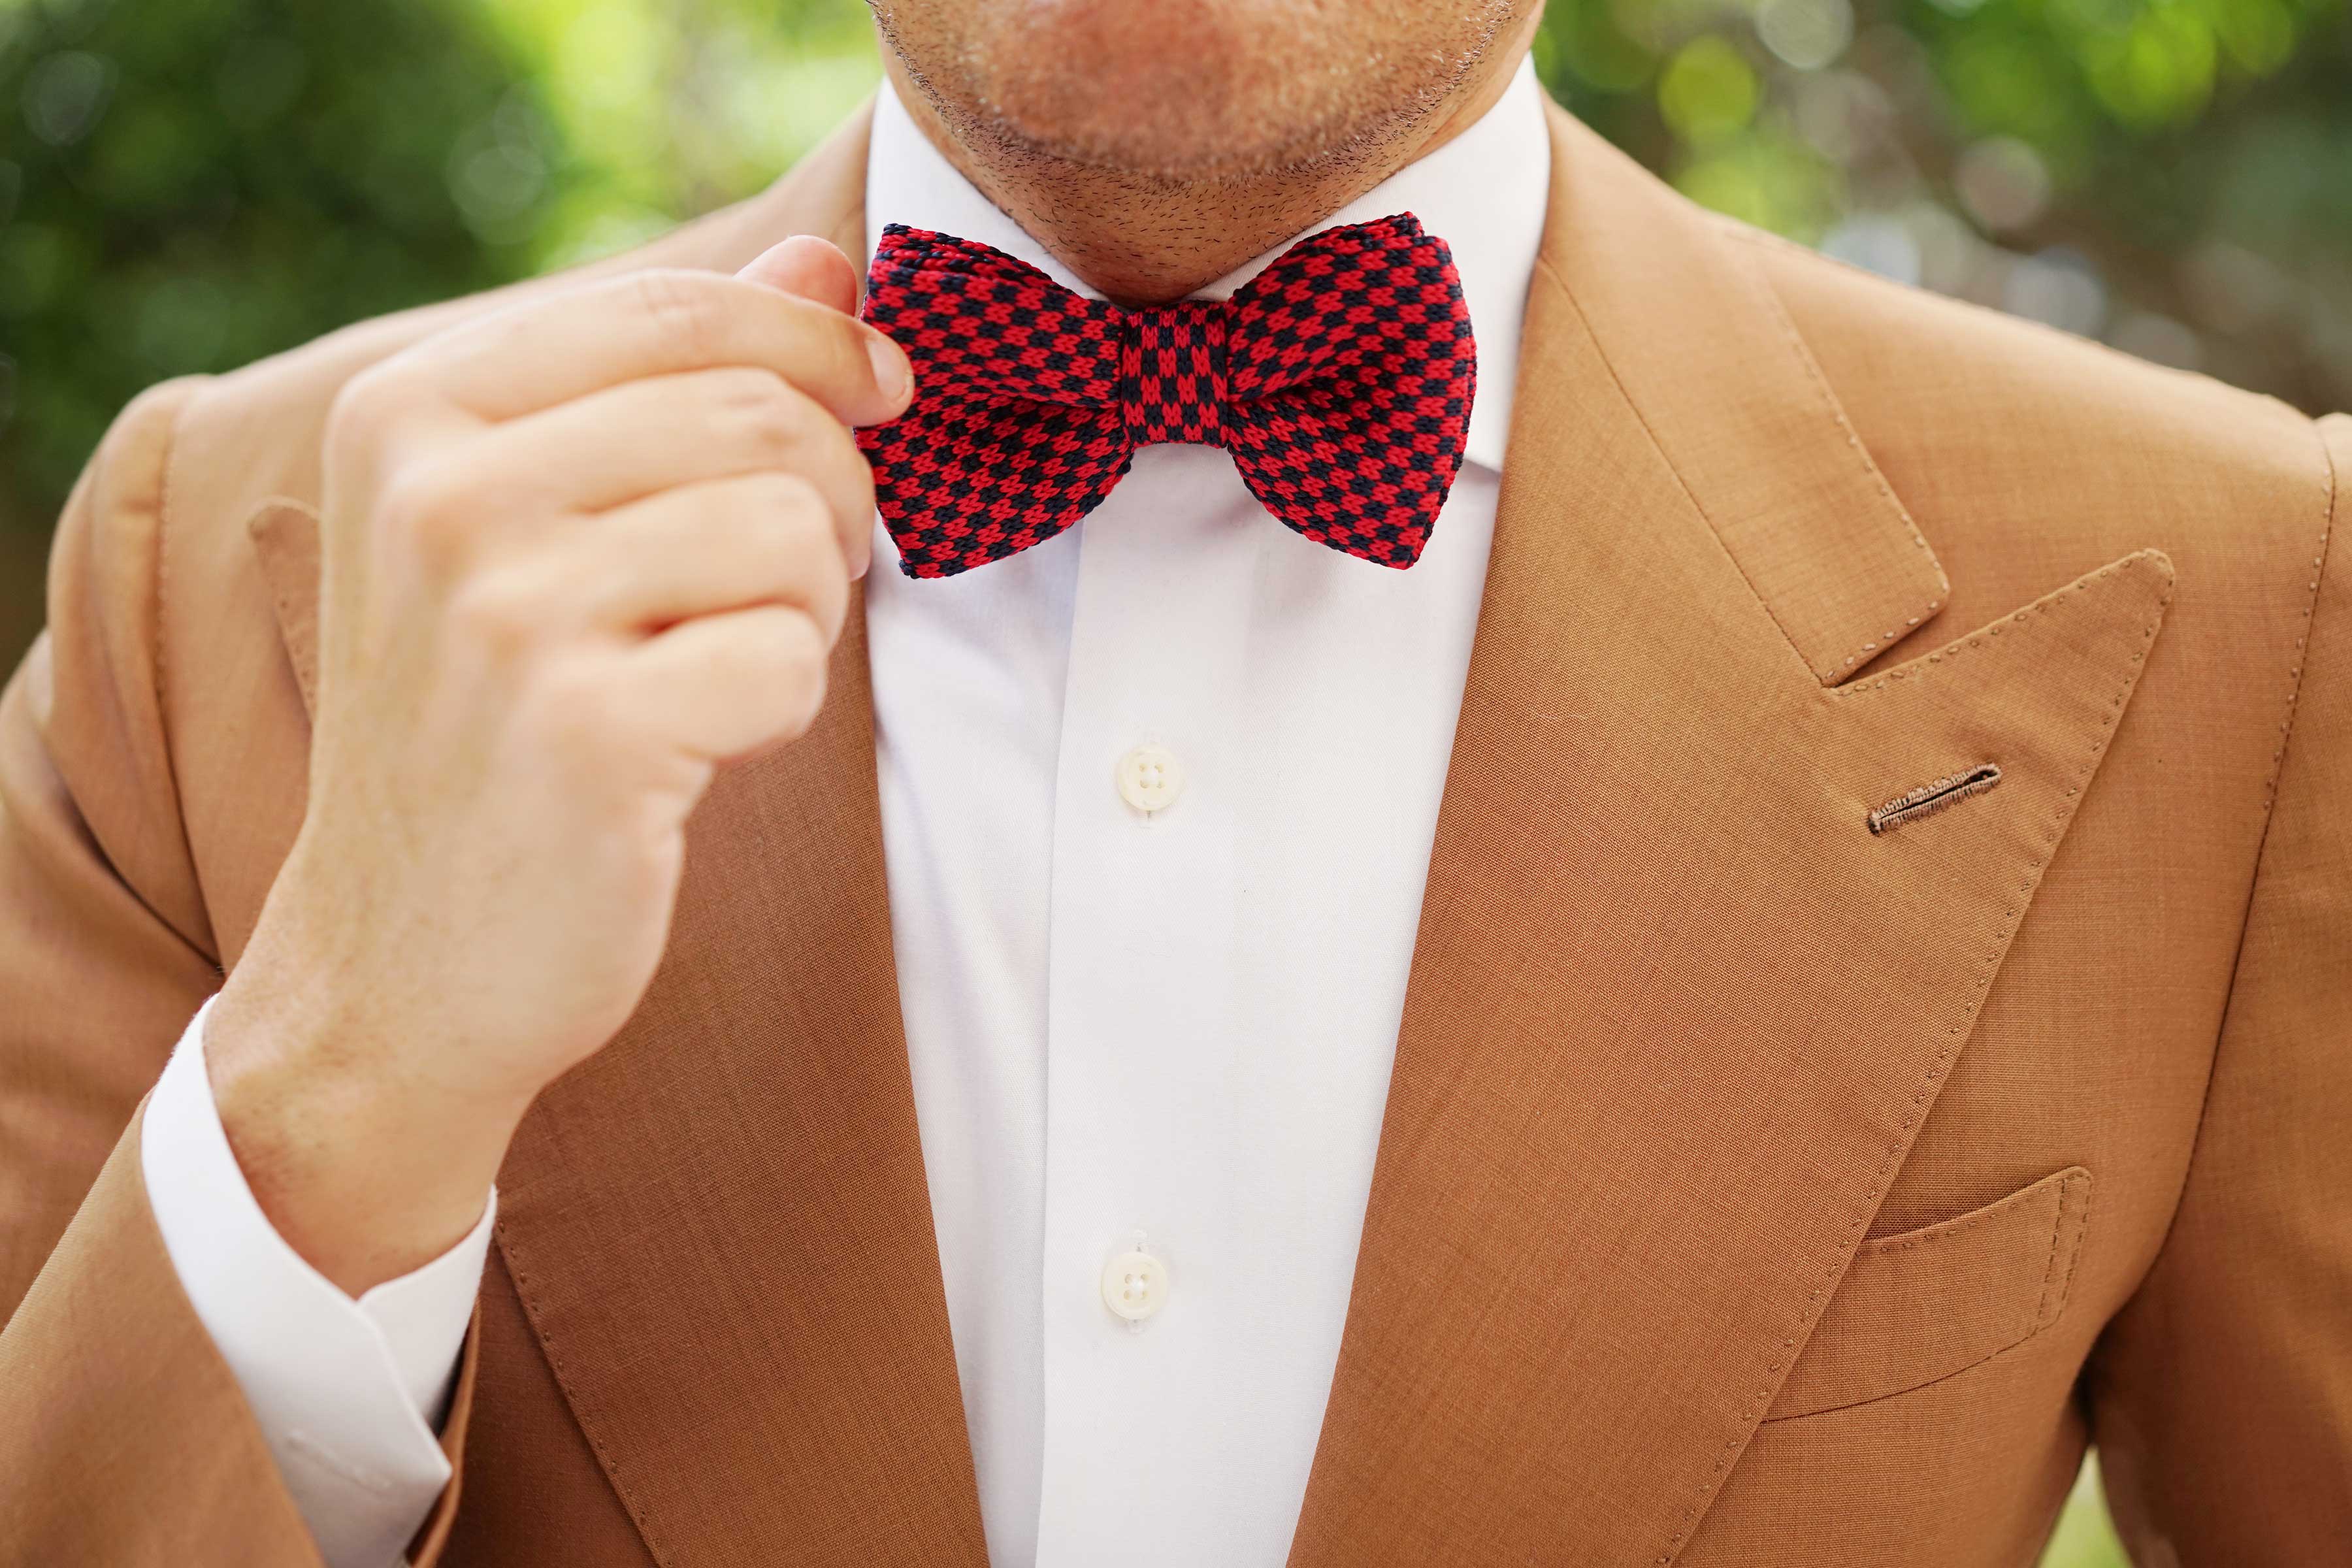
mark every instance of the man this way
{"type": "Point", "coordinates": [1791, 970]}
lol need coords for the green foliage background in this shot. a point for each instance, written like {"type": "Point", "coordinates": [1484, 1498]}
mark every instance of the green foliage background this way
{"type": "Point", "coordinates": [188, 185]}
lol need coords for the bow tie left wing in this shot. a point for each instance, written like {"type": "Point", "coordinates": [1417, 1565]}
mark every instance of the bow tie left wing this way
{"type": "Point", "coordinates": [1014, 434]}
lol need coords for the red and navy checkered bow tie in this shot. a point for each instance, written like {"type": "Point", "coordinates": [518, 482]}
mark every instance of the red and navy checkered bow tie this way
{"type": "Point", "coordinates": [1339, 379]}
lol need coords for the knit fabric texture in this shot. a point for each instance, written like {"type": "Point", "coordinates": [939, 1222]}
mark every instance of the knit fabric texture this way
{"type": "Point", "coordinates": [1340, 379]}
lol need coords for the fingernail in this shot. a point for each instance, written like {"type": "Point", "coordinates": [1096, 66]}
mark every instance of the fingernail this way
{"type": "Point", "coordinates": [890, 373]}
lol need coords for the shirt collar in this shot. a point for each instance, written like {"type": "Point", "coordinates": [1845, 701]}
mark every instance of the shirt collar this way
{"type": "Point", "coordinates": [1483, 192]}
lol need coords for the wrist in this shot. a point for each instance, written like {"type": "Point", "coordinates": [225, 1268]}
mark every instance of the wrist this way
{"type": "Point", "coordinates": [366, 1168]}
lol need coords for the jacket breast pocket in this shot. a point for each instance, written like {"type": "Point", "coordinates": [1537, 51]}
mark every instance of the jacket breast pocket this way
{"type": "Point", "coordinates": [1920, 1305]}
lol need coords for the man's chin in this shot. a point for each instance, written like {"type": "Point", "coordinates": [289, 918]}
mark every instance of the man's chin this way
{"type": "Point", "coordinates": [1176, 89]}
{"type": "Point", "coordinates": [1157, 136]}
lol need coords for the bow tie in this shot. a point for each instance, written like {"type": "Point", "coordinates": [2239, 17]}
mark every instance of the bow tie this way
{"type": "Point", "coordinates": [1339, 379]}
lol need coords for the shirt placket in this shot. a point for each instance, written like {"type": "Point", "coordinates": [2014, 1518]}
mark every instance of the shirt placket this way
{"type": "Point", "coordinates": [1141, 1028]}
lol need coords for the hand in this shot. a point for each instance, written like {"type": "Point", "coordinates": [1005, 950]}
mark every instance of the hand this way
{"type": "Point", "coordinates": [577, 555]}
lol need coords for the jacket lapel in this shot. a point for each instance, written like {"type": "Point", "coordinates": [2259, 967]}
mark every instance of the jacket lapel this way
{"type": "Point", "coordinates": [719, 1225]}
{"type": "Point", "coordinates": [1676, 1012]}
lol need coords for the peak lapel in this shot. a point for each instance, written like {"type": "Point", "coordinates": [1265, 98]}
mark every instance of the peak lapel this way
{"type": "Point", "coordinates": [1730, 397]}
{"type": "Point", "coordinates": [1676, 1013]}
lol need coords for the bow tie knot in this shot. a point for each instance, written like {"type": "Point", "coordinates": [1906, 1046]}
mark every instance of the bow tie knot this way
{"type": "Point", "coordinates": [1171, 385]}
{"type": "Point", "coordinates": [1339, 379]}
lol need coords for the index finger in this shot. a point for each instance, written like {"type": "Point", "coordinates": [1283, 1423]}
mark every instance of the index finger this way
{"type": "Point", "coordinates": [664, 321]}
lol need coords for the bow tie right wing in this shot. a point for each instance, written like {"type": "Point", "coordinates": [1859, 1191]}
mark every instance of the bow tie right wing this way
{"type": "Point", "coordinates": [1352, 369]}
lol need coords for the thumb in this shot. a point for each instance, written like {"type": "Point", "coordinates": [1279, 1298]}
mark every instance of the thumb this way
{"type": "Point", "coordinates": [813, 269]}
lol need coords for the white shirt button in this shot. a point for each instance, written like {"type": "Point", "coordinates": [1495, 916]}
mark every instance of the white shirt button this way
{"type": "Point", "coordinates": [1134, 1285]}
{"type": "Point", "coordinates": [1150, 778]}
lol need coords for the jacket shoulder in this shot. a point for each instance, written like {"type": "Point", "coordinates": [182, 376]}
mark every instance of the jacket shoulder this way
{"type": "Point", "coordinates": [2005, 435]}
{"type": "Point", "coordinates": [252, 435]}
{"type": "Point", "coordinates": [175, 516]}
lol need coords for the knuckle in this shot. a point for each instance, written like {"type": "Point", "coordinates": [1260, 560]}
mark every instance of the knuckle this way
{"type": "Point", "coordinates": [799, 524]}
{"type": "Point", "coordinates": [858, 481]}
{"type": "Point", "coordinates": [681, 305]}
{"type": "Point", "coordinates": [832, 446]}
{"type": "Point", "coordinates": [830, 599]}
{"type": "Point", "coordinates": [427, 513]}
{"type": "Point", "coordinates": [366, 407]}
{"type": "Point", "coordinates": [800, 692]}
{"type": "Point", "coordinates": [574, 713]}
{"type": "Point", "coordinates": [789, 501]}
{"type": "Point", "coordinates": [774, 418]}
{"type": "Point", "coordinates": [824, 586]}
{"type": "Point", "coordinates": [498, 616]}
{"type": "Point", "coordinates": [772, 661]}
{"type": "Point", "coordinates": [746, 388]}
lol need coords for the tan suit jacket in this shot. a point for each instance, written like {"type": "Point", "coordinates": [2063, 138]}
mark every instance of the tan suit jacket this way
{"type": "Point", "coordinates": [1754, 1188]}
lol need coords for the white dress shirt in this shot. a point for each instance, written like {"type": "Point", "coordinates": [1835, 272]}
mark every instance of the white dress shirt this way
{"type": "Point", "coordinates": [1157, 798]}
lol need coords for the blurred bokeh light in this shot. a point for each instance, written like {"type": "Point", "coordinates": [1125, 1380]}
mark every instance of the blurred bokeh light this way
{"type": "Point", "coordinates": [185, 184]}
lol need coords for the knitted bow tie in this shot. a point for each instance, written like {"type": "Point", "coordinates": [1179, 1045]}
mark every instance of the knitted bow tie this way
{"type": "Point", "coordinates": [1339, 379]}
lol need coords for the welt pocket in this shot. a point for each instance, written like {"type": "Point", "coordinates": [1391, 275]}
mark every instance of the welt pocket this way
{"type": "Point", "coordinates": [1924, 1304]}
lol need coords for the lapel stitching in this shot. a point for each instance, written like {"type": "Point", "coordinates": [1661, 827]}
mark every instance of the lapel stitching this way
{"type": "Point", "coordinates": [2150, 563]}
{"type": "Point", "coordinates": [1731, 395]}
{"type": "Point", "coordinates": [1829, 668]}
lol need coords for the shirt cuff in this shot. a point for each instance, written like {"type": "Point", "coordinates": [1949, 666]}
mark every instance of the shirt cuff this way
{"type": "Point", "coordinates": [347, 1394]}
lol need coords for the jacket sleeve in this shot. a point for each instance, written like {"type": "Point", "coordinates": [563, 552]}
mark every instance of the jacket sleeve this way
{"type": "Point", "coordinates": [124, 1438]}
{"type": "Point", "coordinates": [2222, 1397]}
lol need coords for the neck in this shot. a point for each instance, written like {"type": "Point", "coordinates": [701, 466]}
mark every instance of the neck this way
{"type": "Point", "coordinates": [1145, 240]}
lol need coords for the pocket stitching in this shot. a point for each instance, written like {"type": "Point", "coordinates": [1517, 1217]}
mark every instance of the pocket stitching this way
{"type": "Point", "coordinates": [1943, 1230]}
{"type": "Point", "coordinates": [2047, 1312]}
{"type": "Point", "coordinates": [2070, 1184]}
{"type": "Point", "coordinates": [2020, 1342]}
